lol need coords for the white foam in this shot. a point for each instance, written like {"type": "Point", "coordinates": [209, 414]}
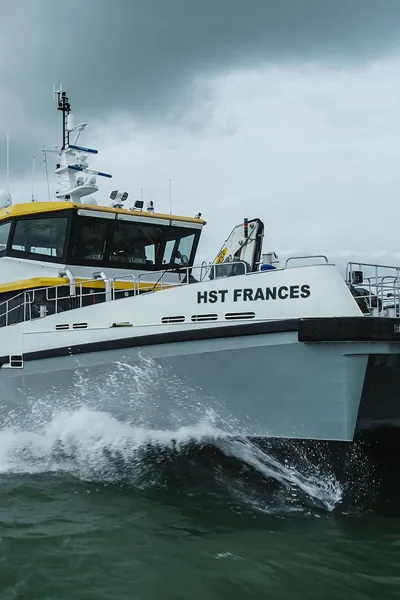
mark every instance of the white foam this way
{"type": "Point", "coordinates": [325, 489]}
{"type": "Point", "coordinates": [84, 434]}
{"type": "Point", "coordinates": [81, 442]}
{"type": "Point", "coordinates": [77, 433]}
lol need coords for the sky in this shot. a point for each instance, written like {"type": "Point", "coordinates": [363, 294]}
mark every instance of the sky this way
{"type": "Point", "coordinates": [286, 110]}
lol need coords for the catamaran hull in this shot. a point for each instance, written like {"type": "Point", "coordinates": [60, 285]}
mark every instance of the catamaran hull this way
{"type": "Point", "coordinates": [266, 385]}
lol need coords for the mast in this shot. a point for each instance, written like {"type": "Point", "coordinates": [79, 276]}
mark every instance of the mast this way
{"type": "Point", "coordinates": [75, 179]}
{"type": "Point", "coordinates": [65, 107]}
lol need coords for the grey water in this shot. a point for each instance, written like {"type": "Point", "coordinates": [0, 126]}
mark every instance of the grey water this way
{"type": "Point", "coordinates": [93, 505]}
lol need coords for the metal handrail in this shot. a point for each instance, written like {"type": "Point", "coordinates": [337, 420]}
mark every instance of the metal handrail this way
{"type": "Point", "coordinates": [72, 285]}
{"type": "Point", "coordinates": [52, 293]}
{"type": "Point", "coordinates": [10, 299]}
{"type": "Point", "coordinates": [119, 278]}
{"type": "Point", "coordinates": [382, 289]}
{"type": "Point", "coordinates": [30, 295]}
{"type": "Point", "coordinates": [18, 307]}
{"type": "Point", "coordinates": [185, 269]}
{"type": "Point", "coordinates": [107, 284]}
{"type": "Point", "coordinates": [306, 258]}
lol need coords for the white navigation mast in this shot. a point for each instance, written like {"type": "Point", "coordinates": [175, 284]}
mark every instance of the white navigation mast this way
{"type": "Point", "coordinates": [75, 179]}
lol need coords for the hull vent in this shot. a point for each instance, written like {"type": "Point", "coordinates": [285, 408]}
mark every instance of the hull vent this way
{"type": "Point", "coordinates": [16, 361]}
{"type": "Point", "coordinates": [210, 317]}
{"type": "Point", "coordinates": [79, 326]}
{"type": "Point", "coordinates": [239, 315]}
{"type": "Point", "coordinates": [177, 319]}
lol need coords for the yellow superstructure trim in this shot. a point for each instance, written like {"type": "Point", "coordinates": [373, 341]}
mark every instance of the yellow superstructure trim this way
{"type": "Point", "coordinates": [47, 282]}
{"type": "Point", "coordinates": [35, 208]}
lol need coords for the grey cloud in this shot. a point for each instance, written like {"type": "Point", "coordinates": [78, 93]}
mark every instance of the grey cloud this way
{"type": "Point", "coordinates": [142, 56]}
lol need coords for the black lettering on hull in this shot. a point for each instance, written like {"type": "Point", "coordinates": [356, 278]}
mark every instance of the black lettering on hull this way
{"type": "Point", "coordinates": [270, 293]}
{"type": "Point", "coordinates": [250, 295]}
{"type": "Point", "coordinates": [259, 295]}
{"type": "Point", "coordinates": [283, 292]}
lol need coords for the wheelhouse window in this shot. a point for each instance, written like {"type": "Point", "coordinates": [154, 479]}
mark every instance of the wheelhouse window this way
{"type": "Point", "coordinates": [4, 233]}
{"type": "Point", "coordinates": [89, 239]}
{"type": "Point", "coordinates": [44, 236]}
{"type": "Point", "coordinates": [135, 243]}
{"type": "Point", "coordinates": [178, 247]}
{"type": "Point", "coordinates": [125, 243]}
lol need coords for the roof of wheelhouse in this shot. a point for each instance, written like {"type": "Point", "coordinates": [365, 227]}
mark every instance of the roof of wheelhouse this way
{"type": "Point", "coordinates": [36, 208]}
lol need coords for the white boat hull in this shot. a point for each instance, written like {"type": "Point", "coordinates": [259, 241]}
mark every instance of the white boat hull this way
{"type": "Point", "coordinates": [264, 385]}
{"type": "Point", "coordinates": [295, 369]}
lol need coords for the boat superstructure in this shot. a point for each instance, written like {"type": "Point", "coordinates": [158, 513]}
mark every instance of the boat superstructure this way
{"type": "Point", "coordinates": [281, 351]}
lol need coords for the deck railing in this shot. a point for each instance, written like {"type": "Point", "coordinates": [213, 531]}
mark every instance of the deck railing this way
{"type": "Point", "coordinates": [39, 302]}
{"type": "Point", "coordinates": [375, 287]}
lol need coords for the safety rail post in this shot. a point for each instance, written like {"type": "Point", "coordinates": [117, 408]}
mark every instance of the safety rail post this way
{"type": "Point", "coordinates": [107, 284]}
{"type": "Point", "coordinates": [26, 304]}
{"type": "Point", "coordinates": [115, 279]}
{"type": "Point", "coordinates": [72, 283]}
{"type": "Point", "coordinates": [203, 265]}
{"type": "Point", "coordinates": [397, 300]}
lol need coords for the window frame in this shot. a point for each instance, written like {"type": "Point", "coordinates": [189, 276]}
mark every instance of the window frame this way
{"type": "Point", "coordinates": [186, 230]}
{"type": "Point", "coordinates": [73, 219]}
{"type": "Point", "coordinates": [136, 265]}
{"type": "Point", "coordinates": [10, 230]}
{"type": "Point", "coordinates": [34, 255]}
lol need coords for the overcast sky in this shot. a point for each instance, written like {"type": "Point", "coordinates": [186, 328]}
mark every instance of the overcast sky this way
{"type": "Point", "coordinates": [287, 110]}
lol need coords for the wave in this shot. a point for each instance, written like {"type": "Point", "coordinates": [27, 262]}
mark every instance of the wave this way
{"type": "Point", "coordinates": [100, 429]}
{"type": "Point", "coordinates": [95, 446]}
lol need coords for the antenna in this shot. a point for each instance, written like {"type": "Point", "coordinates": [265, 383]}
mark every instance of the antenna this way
{"type": "Point", "coordinates": [170, 197]}
{"type": "Point", "coordinates": [55, 91]}
{"type": "Point", "coordinates": [47, 173]}
{"type": "Point", "coordinates": [8, 163]}
{"type": "Point", "coordinates": [141, 194]}
{"type": "Point", "coordinates": [33, 179]}
{"type": "Point", "coordinates": [65, 107]}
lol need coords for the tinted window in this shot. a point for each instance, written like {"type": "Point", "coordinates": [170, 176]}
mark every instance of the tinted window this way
{"type": "Point", "coordinates": [4, 231]}
{"type": "Point", "coordinates": [169, 248]}
{"type": "Point", "coordinates": [89, 239]}
{"type": "Point", "coordinates": [185, 248]}
{"type": "Point", "coordinates": [179, 246]}
{"type": "Point", "coordinates": [135, 243]}
{"type": "Point", "coordinates": [41, 236]}
{"type": "Point", "coordinates": [129, 244]}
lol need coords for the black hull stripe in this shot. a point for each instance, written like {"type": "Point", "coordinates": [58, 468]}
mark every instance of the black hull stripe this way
{"type": "Point", "coordinates": [191, 335]}
{"type": "Point", "coordinates": [350, 329]}
{"type": "Point", "coordinates": [332, 329]}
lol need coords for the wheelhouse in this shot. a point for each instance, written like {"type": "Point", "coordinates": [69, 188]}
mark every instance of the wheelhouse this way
{"type": "Point", "coordinates": [72, 252]}
{"type": "Point", "coordinates": [99, 237]}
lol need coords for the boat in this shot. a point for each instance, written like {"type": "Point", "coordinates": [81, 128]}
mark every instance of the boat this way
{"type": "Point", "coordinates": [294, 351]}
